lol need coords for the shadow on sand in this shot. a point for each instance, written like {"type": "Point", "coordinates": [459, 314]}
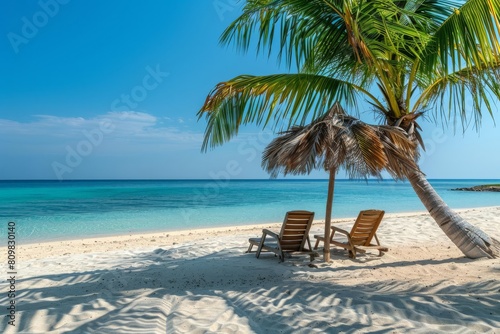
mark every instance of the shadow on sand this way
{"type": "Point", "coordinates": [228, 291]}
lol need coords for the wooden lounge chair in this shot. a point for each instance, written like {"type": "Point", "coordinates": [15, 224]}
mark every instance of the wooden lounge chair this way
{"type": "Point", "coordinates": [362, 233]}
{"type": "Point", "coordinates": [293, 236]}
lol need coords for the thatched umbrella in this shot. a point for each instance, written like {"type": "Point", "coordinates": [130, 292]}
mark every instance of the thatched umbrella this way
{"type": "Point", "coordinates": [339, 140]}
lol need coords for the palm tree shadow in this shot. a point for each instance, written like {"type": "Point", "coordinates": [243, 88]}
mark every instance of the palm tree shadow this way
{"type": "Point", "coordinates": [361, 261]}
{"type": "Point", "coordinates": [225, 288]}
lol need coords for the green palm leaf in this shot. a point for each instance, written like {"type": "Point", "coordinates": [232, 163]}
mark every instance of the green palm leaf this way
{"type": "Point", "coordinates": [467, 38]}
{"type": "Point", "coordinates": [455, 95]}
{"type": "Point", "coordinates": [274, 98]}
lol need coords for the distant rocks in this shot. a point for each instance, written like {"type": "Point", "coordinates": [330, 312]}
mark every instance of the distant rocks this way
{"type": "Point", "coordinates": [486, 187]}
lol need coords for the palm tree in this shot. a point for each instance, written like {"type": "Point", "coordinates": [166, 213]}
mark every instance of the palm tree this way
{"type": "Point", "coordinates": [404, 58]}
{"type": "Point", "coordinates": [337, 140]}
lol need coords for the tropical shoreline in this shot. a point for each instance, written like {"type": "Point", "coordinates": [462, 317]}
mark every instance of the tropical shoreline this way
{"type": "Point", "coordinates": [48, 211]}
{"type": "Point", "coordinates": [202, 280]}
{"type": "Point", "coordinates": [219, 229]}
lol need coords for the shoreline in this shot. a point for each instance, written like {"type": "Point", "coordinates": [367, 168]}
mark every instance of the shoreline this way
{"type": "Point", "coordinates": [173, 237]}
{"type": "Point", "coordinates": [225, 227]}
{"type": "Point", "coordinates": [203, 281]}
{"type": "Point", "coordinates": [99, 210]}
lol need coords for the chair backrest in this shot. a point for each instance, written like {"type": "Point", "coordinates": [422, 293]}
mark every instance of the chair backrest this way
{"type": "Point", "coordinates": [366, 226]}
{"type": "Point", "coordinates": [295, 230]}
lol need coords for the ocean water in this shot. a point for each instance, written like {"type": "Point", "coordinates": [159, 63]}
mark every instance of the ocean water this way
{"type": "Point", "coordinates": [53, 210]}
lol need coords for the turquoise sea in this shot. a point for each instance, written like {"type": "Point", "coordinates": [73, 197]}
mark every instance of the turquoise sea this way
{"type": "Point", "coordinates": [54, 210]}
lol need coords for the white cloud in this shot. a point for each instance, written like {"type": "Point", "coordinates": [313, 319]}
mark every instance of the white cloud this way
{"type": "Point", "coordinates": [126, 126]}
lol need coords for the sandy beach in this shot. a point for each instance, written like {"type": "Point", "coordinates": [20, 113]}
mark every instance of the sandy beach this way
{"type": "Point", "coordinates": [201, 281]}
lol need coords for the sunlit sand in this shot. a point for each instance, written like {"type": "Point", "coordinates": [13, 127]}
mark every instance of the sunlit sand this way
{"type": "Point", "coordinates": [202, 281]}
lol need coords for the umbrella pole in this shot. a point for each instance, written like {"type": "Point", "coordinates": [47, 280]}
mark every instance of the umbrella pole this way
{"type": "Point", "coordinates": [328, 217]}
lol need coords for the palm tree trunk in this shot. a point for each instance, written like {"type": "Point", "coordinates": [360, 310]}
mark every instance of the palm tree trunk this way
{"type": "Point", "coordinates": [473, 242]}
{"type": "Point", "coordinates": [328, 215]}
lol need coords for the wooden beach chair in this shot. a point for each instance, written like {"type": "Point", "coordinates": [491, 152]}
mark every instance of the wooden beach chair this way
{"type": "Point", "coordinates": [293, 236]}
{"type": "Point", "coordinates": [361, 235]}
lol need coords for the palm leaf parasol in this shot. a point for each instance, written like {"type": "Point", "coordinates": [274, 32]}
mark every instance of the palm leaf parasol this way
{"type": "Point", "coordinates": [338, 140]}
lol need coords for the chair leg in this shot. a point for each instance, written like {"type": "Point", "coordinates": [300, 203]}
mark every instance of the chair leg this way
{"type": "Point", "coordinates": [316, 244]}
{"type": "Point", "coordinates": [249, 248]}
{"type": "Point", "coordinates": [352, 254]}
{"type": "Point", "coordinates": [259, 249]}
{"type": "Point", "coordinates": [380, 252]}
{"type": "Point", "coordinates": [309, 243]}
{"type": "Point", "coordinates": [257, 254]}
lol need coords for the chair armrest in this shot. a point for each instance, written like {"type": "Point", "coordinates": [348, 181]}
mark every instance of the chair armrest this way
{"type": "Point", "coordinates": [337, 229]}
{"type": "Point", "coordinates": [271, 234]}
{"type": "Point", "coordinates": [278, 251]}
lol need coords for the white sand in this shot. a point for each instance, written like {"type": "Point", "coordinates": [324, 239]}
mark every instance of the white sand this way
{"type": "Point", "coordinates": [203, 282]}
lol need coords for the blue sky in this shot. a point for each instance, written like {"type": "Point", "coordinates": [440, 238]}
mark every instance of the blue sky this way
{"type": "Point", "coordinates": [102, 89]}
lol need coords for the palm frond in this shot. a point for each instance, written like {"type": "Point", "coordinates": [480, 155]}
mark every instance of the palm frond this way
{"type": "Point", "coordinates": [273, 98]}
{"type": "Point", "coordinates": [338, 140]}
{"type": "Point", "coordinates": [443, 50]}
{"type": "Point", "coordinates": [291, 28]}
{"type": "Point", "coordinates": [469, 37]}
{"type": "Point", "coordinates": [319, 33]}
{"type": "Point", "coordinates": [463, 94]}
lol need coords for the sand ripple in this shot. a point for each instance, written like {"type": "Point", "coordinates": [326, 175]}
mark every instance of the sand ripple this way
{"type": "Point", "coordinates": [207, 284]}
